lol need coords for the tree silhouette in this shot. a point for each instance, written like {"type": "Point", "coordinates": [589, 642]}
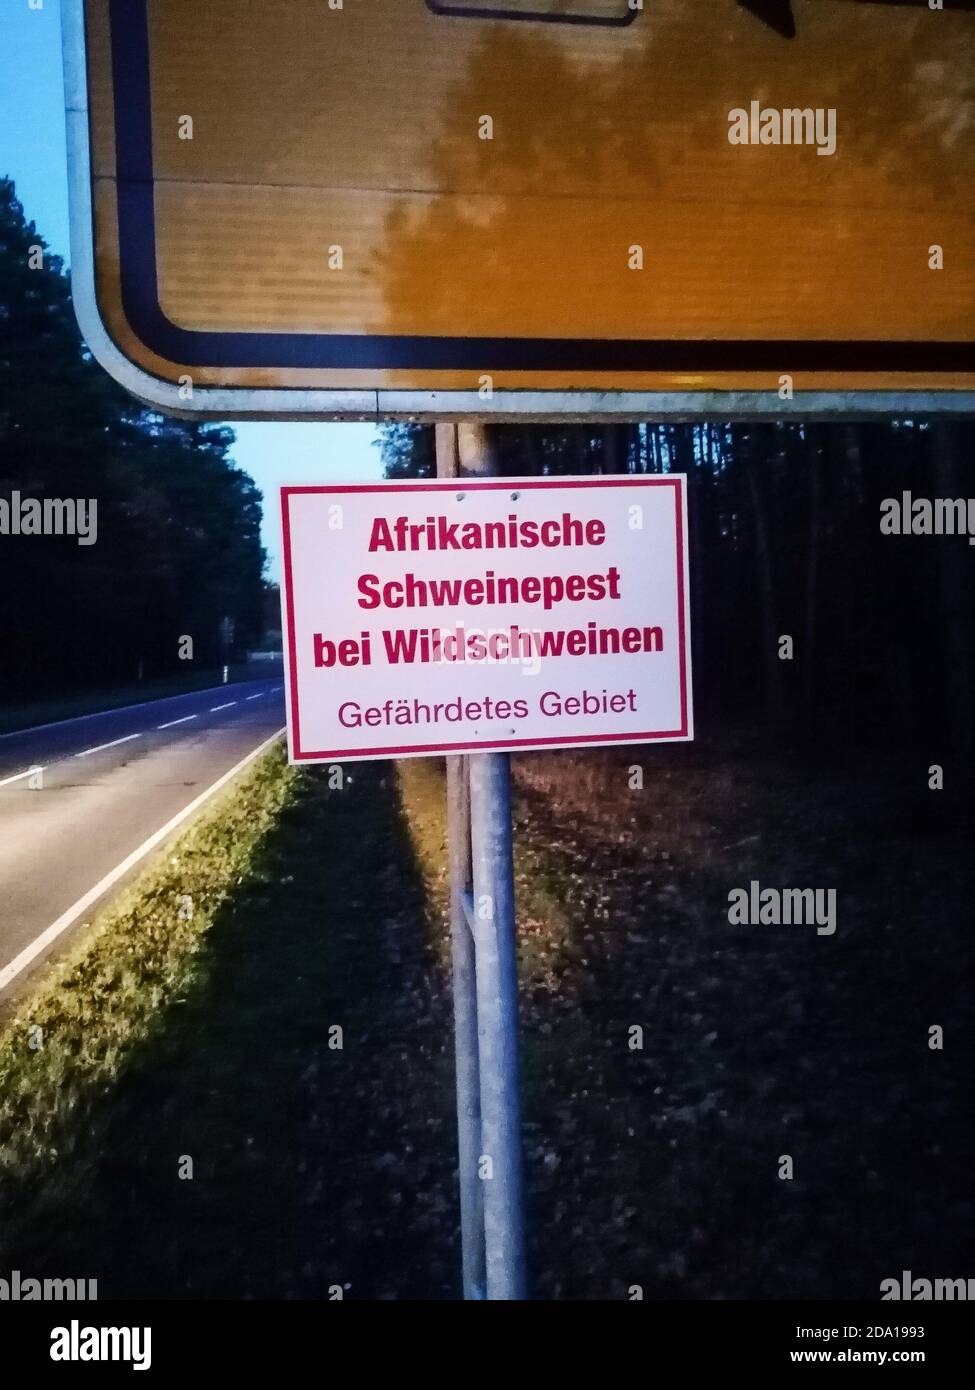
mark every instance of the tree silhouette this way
{"type": "Point", "coordinates": [178, 543]}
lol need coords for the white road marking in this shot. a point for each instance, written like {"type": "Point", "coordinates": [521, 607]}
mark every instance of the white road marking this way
{"type": "Point", "coordinates": [120, 709]}
{"type": "Point", "coordinates": [20, 776]}
{"type": "Point", "coordinates": [102, 746]}
{"type": "Point", "coordinates": [30, 953]}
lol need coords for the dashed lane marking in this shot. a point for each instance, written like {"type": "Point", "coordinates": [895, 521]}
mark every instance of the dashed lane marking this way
{"type": "Point", "coordinates": [102, 746]}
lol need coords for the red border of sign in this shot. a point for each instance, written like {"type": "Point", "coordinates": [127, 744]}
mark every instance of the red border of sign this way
{"type": "Point", "coordinates": [436, 749]}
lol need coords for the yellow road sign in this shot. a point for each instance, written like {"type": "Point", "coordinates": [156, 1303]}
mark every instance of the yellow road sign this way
{"type": "Point", "coordinates": [570, 197]}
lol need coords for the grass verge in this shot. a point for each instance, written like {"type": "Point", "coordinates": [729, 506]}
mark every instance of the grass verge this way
{"type": "Point", "coordinates": [70, 1039]}
{"type": "Point", "coordinates": [284, 1125]}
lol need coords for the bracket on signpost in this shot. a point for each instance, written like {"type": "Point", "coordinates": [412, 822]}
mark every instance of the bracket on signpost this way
{"type": "Point", "coordinates": [482, 926]}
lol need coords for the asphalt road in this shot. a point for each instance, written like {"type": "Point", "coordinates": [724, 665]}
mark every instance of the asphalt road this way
{"type": "Point", "coordinates": [110, 783]}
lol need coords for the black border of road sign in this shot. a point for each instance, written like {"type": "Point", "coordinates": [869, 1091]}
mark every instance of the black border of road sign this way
{"type": "Point", "coordinates": [227, 350]}
{"type": "Point", "coordinates": [496, 11]}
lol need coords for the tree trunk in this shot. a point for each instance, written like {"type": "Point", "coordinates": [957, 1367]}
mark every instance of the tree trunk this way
{"type": "Point", "coordinates": [955, 587]}
{"type": "Point", "coordinates": [807, 654]}
{"type": "Point", "coordinates": [766, 591]}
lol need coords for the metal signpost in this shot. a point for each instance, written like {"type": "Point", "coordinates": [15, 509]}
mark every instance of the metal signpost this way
{"type": "Point", "coordinates": [533, 209]}
{"type": "Point", "coordinates": [469, 614]}
{"type": "Point", "coordinates": [485, 980]}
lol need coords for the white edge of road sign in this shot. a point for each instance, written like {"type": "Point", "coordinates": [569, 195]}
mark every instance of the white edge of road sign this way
{"type": "Point", "coordinates": [287, 599]}
{"type": "Point", "coordinates": [285, 403]}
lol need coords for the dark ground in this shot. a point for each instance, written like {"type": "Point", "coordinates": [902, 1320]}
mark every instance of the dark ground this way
{"type": "Point", "coordinates": [315, 1167]}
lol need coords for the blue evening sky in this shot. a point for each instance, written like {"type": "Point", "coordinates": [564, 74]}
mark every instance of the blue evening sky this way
{"type": "Point", "coordinates": [32, 152]}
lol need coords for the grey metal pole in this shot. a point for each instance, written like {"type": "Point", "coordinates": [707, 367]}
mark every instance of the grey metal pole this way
{"type": "Point", "coordinates": [497, 1014]}
{"type": "Point", "coordinates": [466, 1063]}
{"type": "Point", "coordinates": [492, 917]}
